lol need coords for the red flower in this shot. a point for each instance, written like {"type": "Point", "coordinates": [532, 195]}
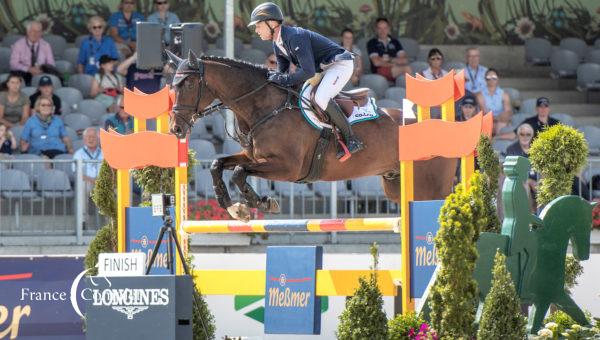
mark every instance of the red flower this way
{"type": "Point", "coordinates": [365, 8]}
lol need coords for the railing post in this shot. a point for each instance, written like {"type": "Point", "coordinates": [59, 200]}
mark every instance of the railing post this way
{"type": "Point", "coordinates": [80, 200]}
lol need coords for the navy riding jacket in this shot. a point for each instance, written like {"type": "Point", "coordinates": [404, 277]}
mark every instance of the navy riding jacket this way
{"type": "Point", "coordinates": [305, 49]}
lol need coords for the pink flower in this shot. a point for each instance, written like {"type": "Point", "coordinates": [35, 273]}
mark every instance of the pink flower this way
{"type": "Point", "coordinates": [452, 31]}
{"type": "Point", "coordinates": [524, 28]}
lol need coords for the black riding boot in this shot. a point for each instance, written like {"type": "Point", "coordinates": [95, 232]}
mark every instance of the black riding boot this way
{"type": "Point", "coordinates": [338, 118]}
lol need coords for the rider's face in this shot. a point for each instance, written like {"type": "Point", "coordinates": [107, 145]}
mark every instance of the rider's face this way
{"type": "Point", "coordinates": [263, 30]}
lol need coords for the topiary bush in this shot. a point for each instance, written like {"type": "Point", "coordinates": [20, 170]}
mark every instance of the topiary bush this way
{"type": "Point", "coordinates": [573, 269]}
{"type": "Point", "coordinates": [502, 318]}
{"type": "Point", "coordinates": [363, 317]}
{"type": "Point", "coordinates": [410, 326]}
{"type": "Point", "coordinates": [490, 165]}
{"type": "Point", "coordinates": [558, 154]}
{"type": "Point", "coordinates": [454, 295]}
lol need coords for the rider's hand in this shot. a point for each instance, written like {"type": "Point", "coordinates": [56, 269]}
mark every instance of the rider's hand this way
{"type": "Point", "coordinates": [277, 78]}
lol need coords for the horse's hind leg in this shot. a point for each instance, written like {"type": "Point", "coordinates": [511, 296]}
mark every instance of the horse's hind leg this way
{"type": "Point", "coordinates": [265, 204]}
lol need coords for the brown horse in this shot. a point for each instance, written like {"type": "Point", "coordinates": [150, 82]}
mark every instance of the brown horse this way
{"type": "Point", "coordinates": [280, 143]}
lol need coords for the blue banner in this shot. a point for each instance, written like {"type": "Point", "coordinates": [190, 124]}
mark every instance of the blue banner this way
{"type": "Point", "coordinates": [423, 257]}
{"type": "Point", "coordinates": [37, 298]}
{"type": "Point", "coordinates": [291, 306]}
{"type": "Point", "coordinates": [142, 233]}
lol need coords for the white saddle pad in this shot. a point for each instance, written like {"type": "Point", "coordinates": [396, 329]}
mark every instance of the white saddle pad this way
{"type": "Point", "coordinates": [360, 114]}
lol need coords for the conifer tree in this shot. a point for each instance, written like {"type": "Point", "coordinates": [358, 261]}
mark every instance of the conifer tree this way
{"type": "Point", "coordinates": [490, 165]}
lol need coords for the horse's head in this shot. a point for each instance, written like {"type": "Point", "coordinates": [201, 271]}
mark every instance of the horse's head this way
{"type": "Point", "coordinates": [581, 231]}
{"type": "Point", "coordinates": [190, 98]}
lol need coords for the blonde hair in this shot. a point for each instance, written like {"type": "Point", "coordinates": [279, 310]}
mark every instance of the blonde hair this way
{"type": "Point", "coordinates": [95, 19]}
{"type": "Point", "coordinates": [524, 126]}
{"type": "Point", "coordinates": [38, 102]}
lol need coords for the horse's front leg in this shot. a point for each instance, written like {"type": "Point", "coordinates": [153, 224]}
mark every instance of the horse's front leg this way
{"type": "Point", "coordinates": [221, 192]}
{"type": "Point", "coordinates": [265, 204]}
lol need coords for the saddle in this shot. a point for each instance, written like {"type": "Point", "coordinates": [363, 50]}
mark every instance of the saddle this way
{"type": "Point", "coordinates": [347, 100]}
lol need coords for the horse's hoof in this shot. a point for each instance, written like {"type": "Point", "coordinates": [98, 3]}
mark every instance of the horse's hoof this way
{"type": "Point", "coordinates": [239, 211]}
{"type": "Point", "coordinates": [272, 206]}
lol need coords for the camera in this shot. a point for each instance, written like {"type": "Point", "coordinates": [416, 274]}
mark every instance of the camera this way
{"type": "Point", "coordinates": [161, 204]}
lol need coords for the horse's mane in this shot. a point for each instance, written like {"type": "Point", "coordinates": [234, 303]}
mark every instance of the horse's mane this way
{"type": "Point", "coordinates": [235, 63]}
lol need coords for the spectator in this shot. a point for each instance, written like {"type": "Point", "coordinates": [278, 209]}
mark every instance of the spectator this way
{"type": "Point", "coordinates": [32, 55]}
{"type": "Point", "coordinates": [123, 24]}
{"type": "Point", "coordinates": [46, 90]}
{"type": "Point", "coordinates": [107, 86]}
{"type": "Point", "coordinates": [348, 43]}
{"type": "Point", "coordinates": [493, 98]}
{"type": "Point", "coordinates": [121, 122]}
{"type": "Point", "coordinates": [475, 73]}
{"type": "Point", "coordinates": [271, 62]}
{"type": "Point", "coordinates": [164, 17]}
{"type": "Point", "coordinates": [90, 152]}
{"type": "Point", "coordinates": [435, 58]}
{"type": "Point", "coordinates": [44, 133]}
{"type": "Point", "coordinates": [8, 143]}
{"type": "Point", "coordinates": [542, 119]}
{"type": "Point", "coordinates": [147, 81]}
{"type": "Point", "coordinates": [95, 46]}
{"type": "Point", "coordinates": [386, 54]}
{"type": "Point", "coordinates": [521, 148]}
{"type": "Point", "coordinates": [14, 104]}
{"type": "Point", "coordinates": [468, 108]}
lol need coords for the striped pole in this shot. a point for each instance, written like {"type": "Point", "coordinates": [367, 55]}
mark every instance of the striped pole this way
{"type": "Point", "coordinates": [284, 226]}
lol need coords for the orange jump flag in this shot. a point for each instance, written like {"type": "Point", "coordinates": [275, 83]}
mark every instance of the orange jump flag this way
{"type": "Point", "coordinates": [432, 137]}
{"type": "Point", "coordinates": [147, 106]}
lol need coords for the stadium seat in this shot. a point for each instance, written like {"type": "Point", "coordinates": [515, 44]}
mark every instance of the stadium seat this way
{"type": "Point", "coordinates": [592, 136]}
{"type": "Point", "coordinates": [501, 145]}
{"type": "Point", "coordinates": [3, 77]}
{"type": "Point", "coordinates": [62, 164]}
{"type": "Point", "coordinates": [77, 121]}
{"type": "Point", "coordinates": [82, 82]}
{"type": "Point", "coordinates": [93, 109]}
{"type": "Point", "coordinates": [401, 81]}
{"type": "Point", "coordinates": [515, 96]}
{"type": "Point", "coordinates": [563, 64]}
{"type": "Point", "coordinates": [69, 96]}
{"type": "Point", "coordinates": [55, 81]}
{"type": "Point", "coordinates": [389, 103]}
{"type": "Point", "coordinates": [32, 165]}
{"type": "Point", "coordinates": [71, 55]}
{"type": "Point", "coordinates": [10, 38]}
{"type": "Point", "coordinates": [538, 51]}
{"type": "Point", "coordinates": [4, 59]}
{"type": "Point", "coordinates": [418, 67]}
{"type": "Point", "coordinates": [80, 39]}
{"type": "Point", "coordinates": [411, 48]}
{"type": "Point", "coordinates": [72, 134]}
{"type": "Point", "coordinates": [576, 45]}
{"type": "Point", "coordinates": [593, 56]}
{"type": "Point", "coordinates": [54, 183]}
{"type": "Point", "coordinates": [15, 183]}
{"type": "Point", "coordinates": [204, 149]}
{"type": "Point", "coordinates": [395, 93]}
{"type": "Point", "coordinates": [528, 106]}
{"type": "Point", "coordinates": [564, 118]}
{"type": "Point", "coordinates": [253, 56]}
{"type": "Point", "coordinates": [375, 82]}
{"type": "Point", "coordinates": [58, 44]}
{"type": "Point", "coordinates": [588, 77]}
{"type": "Point", "coordinates": [64, 66]}
{"type": "Point", "coordinates": [454, 65]}
{"type": "Point", "coordinates": [29, 90]}
{"type": "Point", "coordinates": [518, 118]}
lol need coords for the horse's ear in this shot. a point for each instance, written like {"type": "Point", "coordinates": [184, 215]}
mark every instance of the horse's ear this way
{"type": "Point", "coordinates": [192, 59]}
{"type": "Point", "coordinates": [173, 58]}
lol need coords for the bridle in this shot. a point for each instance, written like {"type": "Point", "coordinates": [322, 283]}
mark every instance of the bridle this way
{"type": "Point", "coordinates": [202, 83]}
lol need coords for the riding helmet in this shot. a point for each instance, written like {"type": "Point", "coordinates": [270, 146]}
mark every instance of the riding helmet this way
{"type": "Point", "coordinates": [266, 11]}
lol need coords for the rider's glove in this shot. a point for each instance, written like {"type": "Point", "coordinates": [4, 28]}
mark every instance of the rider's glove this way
{"type": "Point", "coordinates": [278, 78]}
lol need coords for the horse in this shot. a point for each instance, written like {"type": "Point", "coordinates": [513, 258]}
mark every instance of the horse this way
{"type": "Point", "coordinates": [278, 144]}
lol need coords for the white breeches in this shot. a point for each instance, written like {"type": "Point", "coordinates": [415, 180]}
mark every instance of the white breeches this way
{"type": "Point", "coordinates": [334, 77]}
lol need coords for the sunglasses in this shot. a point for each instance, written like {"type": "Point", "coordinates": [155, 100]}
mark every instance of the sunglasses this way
{"type": "Point", "coordinates": [161, 2]}
{"type": "Point", "coordinates": [272, 62]}
{"type": "Point", "coordinates": [128, 3]}
{"type": "Point", "coordinates": [97, 27]}
{"type": "Point", "coordinates": [435, 58]}
{"type": "Point", "coordinates": [491, 78]}
{"type": "Point", "coordinates": [525, 134]}
{"type": "Point", "coordinates": [468, 106]}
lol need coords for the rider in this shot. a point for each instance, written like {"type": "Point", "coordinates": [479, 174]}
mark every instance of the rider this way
{"type": "Point", "coordinates": [311, 53]}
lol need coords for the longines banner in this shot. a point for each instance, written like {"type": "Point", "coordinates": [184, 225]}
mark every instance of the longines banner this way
{"type": "Point", "coordinates": [37, 295]}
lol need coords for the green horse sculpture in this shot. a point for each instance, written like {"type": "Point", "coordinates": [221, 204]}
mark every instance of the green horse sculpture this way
{"type": "Point", "coordinates": [536, 247]}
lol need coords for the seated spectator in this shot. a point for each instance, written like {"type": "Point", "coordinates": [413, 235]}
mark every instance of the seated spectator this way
{"type": "Point", "coordinates": [46, 90]}
{"type": "Point", "coordinates": [468, 108]}
{"type": "Point", "coordinates": [435, 59]}
{"type": "Point", "coordinates": [521, 148]}
{"type": "Point", "coordinates": [147, 81]}
{"type": "Point", "coordinates": [386, 54]}
{"type": "Point", "coordinates": [45, 134]}
{"type": "Point", "coordinates": [493, 98]}
{"type": "Point", "coordinates": [32, 55]}
{"type": "Point", "coordinates": [163, 16]}
{"type": "Point", "coordinates": [542, 119]}
{"type": "Point", "coordinates": [121, 122]}
{"type": "Point", "coordinates": [14, 104]}
{"type": "Point", "coordinates": [271, 62]}
{"type": "Point", "coordinates": [348, 43]}
{"type": "Point", "coordinates": [123, 24]}
{"type": "Point", "coordinates": [90, 152]}
{"type": "Point", "coordinates": [95, 46]}
{"type": "Point", "coordinates": [474, 73]}
{"type": "Point", "coordinates": [107, 86]}
{"type": "Point", "coordinates": [8, 143]}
